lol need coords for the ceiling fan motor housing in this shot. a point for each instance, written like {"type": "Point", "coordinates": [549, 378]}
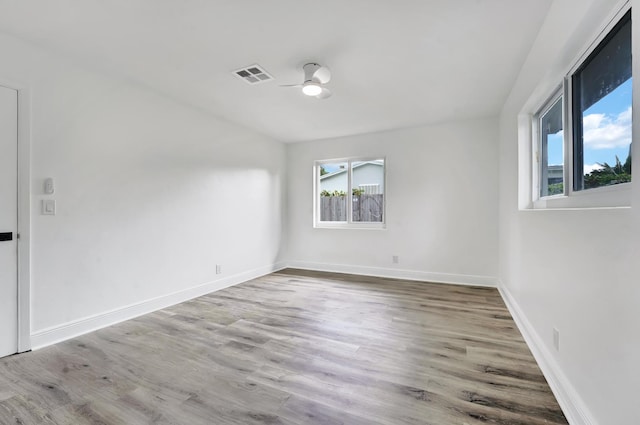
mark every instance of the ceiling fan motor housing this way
{"type": "Point", "coordinates": [316, 73]}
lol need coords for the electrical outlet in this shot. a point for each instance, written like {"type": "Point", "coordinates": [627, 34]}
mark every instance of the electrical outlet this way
{"type": "Point", "coordinates": [395, 259]}
{"type": "Point", "coordinates": [556, 339]}
{"type": "Point", "coordinates": [218, 269]}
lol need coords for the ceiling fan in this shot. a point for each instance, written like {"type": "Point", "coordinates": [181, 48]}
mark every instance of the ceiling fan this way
{"type": "Point", "coordinates": [315, 77]}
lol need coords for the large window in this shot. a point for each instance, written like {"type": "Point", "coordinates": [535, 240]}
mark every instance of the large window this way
{"type": "Point", "coordinates": [349, 193]}
{"type": "Point", "coordinates": [601, 90]}
{"type": "Point", "coordinates": [598, 109]}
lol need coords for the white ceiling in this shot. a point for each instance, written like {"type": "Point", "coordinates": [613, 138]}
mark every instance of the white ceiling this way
{"type": "Point", "coordinates": [395, 63]}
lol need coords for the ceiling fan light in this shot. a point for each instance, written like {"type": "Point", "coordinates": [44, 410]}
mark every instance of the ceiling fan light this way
{"type": "Point", "coordinates": [311, 89]}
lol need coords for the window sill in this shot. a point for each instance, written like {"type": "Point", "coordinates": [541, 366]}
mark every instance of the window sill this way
{"type": "Point", "coordinates": [342, 225]}
{"type": "Point", "coordinates": [603, 197]}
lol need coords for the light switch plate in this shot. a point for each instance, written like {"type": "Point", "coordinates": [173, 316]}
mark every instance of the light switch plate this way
{"type": "Point", "coordinates": [48, 207]}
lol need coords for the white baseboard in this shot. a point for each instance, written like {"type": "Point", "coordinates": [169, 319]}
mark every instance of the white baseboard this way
{"type": "Point", "coordinates": [568, 398]}
{"type": "Point", "coordinates": [459, 279]}
{"type": "Point", "coordinates": [55, 334]}
{"type": "Point", "coordinates": [79, 327]}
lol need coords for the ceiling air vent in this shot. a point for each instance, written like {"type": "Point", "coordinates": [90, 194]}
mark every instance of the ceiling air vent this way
{"type": "Point", "coordinates": [253, 74]}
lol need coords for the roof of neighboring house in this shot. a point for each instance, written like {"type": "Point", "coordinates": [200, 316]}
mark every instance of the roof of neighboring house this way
{"type": "Point", "coordinates": [378, 162]}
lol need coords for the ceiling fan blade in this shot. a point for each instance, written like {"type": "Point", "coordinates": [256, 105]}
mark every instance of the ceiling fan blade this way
{"type": "Point", "coordinates": [322, 75]}
{"type": "Point", "coordinates": [325, 93]}
{"type": "Point", "coordinates": [291, 85]}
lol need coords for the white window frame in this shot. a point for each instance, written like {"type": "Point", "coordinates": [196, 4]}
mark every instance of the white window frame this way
{"type": "Point", "coordinates": [537, 145]}
{"type": "Point", "coordinates": [618, 195]}
{"type": "Point", "coordinates": [348, 224]}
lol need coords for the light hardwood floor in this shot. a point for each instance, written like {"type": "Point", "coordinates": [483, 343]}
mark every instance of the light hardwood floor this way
{"type": "Point", "coordinates": [293, 347]}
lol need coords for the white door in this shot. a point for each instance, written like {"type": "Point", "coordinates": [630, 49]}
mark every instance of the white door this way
{"type": "Point", "coordinates": [8, 221]}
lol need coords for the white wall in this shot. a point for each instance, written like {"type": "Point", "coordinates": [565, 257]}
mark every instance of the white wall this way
{"type": "Point", "coordinates": [575, 270]}
{"type": "Point", "coordinates": [150, 194]}
{"type": "Point", "coordinates": [441, 205]}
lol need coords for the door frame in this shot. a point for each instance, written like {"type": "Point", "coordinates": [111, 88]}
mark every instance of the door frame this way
{"type": "Point", "coordinates": [24, 212]}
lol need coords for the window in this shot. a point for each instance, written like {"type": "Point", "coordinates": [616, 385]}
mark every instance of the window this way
{"type": "Point", "coordinates": [349, 193]}
{"type": "Point", "coordinates": [551, 150]}
{"type": "Point", "coordinates": [594, 151]}
{"type": "Point", "coordinates": [601, 100]}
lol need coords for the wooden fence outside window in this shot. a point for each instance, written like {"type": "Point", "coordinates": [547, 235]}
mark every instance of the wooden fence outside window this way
{"type": "Point", "coordinates": [366, 208]}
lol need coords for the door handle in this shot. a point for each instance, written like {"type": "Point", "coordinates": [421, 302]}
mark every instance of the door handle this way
{"type": "Point", "coordinates": [6, 236]}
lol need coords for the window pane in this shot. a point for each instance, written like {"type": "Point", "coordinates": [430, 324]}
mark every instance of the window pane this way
{"type": "Point", "coordinates": [552, 151]}
{"type": "Point", "coordinates": [367, 180]}
{"type": "Point", "coordinates": [602, 112]}
{"type": "Point", "coordinates": [334, 185]}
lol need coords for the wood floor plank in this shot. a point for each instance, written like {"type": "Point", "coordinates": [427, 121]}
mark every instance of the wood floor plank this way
{"type": "Point", "coordinates": [294, 347]}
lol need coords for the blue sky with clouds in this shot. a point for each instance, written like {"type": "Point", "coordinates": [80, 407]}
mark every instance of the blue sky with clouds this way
{"type": "Point", "coordinates": [607, 131]}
